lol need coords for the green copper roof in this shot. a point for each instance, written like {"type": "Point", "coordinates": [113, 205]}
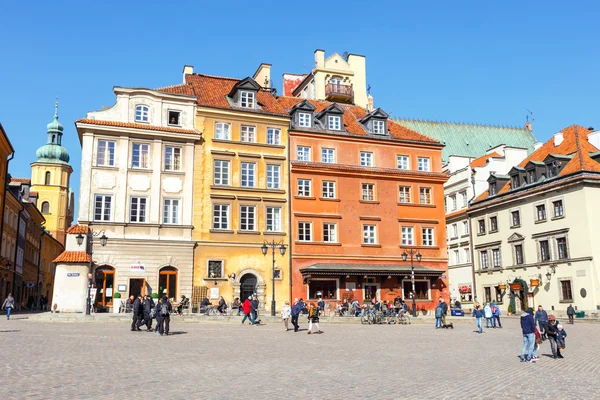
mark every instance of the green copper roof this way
{"type": "Point", "coordinates": [52, 151]}
{"type": "Point", "coordinates": [471, 140]}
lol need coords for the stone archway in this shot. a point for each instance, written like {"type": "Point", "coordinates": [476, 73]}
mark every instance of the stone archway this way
{"type": "Point", "coordinates": [260, 286]}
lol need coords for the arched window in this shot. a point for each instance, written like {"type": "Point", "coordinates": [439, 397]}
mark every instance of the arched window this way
{"type": "Point", "coordinates": [142, 113]}
{"type": "Point", "coordinates": [53, 138]}
{"type": "Point", "coordinates": [45, 207]}
{"type": "Point", "coordinates": [167, 282]}
{"type": "Point", "coordinates": [47, 177]}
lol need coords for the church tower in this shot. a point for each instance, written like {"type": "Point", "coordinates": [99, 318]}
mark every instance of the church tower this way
{"type": "Point", "coordinates": [50, 176]}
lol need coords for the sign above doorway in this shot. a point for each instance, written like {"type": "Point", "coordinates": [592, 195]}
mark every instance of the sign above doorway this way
{"type": "Point", "coordinates": [137, 268]}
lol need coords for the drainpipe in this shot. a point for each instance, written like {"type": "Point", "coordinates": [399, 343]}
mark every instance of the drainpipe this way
{"type": "Point", "coordinates": [290, 227]}
{"type": "Point", "coordinates": [471, 247]}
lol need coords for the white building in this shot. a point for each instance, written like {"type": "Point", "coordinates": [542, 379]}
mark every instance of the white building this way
{"type": "Point", "coordinates": [136, 187]}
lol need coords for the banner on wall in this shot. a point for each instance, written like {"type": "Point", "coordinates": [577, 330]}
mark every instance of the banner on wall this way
{"type": "Point", "coordinates": [137, 268]}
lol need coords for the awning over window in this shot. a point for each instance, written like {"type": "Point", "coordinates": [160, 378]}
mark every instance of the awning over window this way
{"type": "Point", "coordinates": [369, 270]}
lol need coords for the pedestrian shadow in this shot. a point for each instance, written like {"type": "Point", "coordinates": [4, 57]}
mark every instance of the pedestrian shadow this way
{"type": "Point", "coordinates": [548, 355]}
{"type": "Point", "coordinates": [177, 333]}
{"type": "Point", "coordinates": [11, 330]}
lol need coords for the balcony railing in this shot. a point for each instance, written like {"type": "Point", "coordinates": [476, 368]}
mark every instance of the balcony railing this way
{"type": "Point", "coordinates": [337, 91]}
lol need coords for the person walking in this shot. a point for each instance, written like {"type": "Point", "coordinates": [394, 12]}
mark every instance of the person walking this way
{"type": "Point", "coordinates": [246, 309]}
{"type": "Point", "coordinates": [158, 317]}
{"type": "Point", "coordinates": [444, 310]}
{"type": "Point", "coordinates": [296, 310]}
{"type": "Point", "coordinates": [8, 305]}
{"type": "Point", "coordinates": [138, 314]}
{"type": "Point", "coordinates": [487, 311]}
{"type": "Point", "coordinates": [254, 310]}
{"type": "Point", "coordinates": [496, 315]}
{"type": "Point", "coordinates": [541, 318]}
{"type": "Point", "coordinates": [478, 314]}
{"type": "Point", "coordinates": [147, 307]}
{"type": "Point", "coordinates": [571, 313]}
{"type": "Point", "coordinates": [438, 316]}
{"type": "Point", "coordinates": [313, 318]}
{"type": "Point", "coordinates": [321, 304]}
{"type": "Point", "coordinates": [561, 336]}
{"type": "Point", "coordinates": [528, 329]}
{"type": "Point", "coordinates": [236, 305]}
{"type": "Point", "coordinates": [164, 310]}
{"type": "Point", "coordinates": [286, 312]}
{"type": "Point", "coordinates": [551, 330]}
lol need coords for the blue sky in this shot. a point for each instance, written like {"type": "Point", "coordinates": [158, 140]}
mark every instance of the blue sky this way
{"type": "Point", "coordinates": [465, 61]}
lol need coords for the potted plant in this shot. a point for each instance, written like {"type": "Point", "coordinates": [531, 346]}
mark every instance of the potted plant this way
{"type": "Point", "coordinates": [116, 302]}
{"type": "Point", "coordinates": [510, 309]}
{"type": "Point", "coordinates": [423, 311]}
{"type": "Point", "coordinates": [154, 296]}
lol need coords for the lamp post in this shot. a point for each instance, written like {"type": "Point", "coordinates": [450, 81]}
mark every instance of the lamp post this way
{"type": "Point", "coordinates": [90, 251]}
{"type": "Point", "coordinates": [265, 248]}
{"type": "Point", "coordinates": [412, 253]}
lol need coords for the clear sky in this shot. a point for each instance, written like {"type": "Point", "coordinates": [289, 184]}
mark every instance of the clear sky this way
{"type": "Point", "coordinates": [466, 61]}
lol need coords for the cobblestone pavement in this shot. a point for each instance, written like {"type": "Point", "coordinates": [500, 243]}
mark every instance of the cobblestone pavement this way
{"type": "Point", "coordinates": [212, 361]}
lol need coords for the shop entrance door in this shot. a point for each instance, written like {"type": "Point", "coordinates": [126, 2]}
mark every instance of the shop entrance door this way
{"type": "Point", "coordinates": [137, 287]}
{"type": "Point", "coordinates": [371, 291]}
{"type": "Point", "coordinates": [105, 277]}
{"type": "Point", "coordinates": [247, 286]}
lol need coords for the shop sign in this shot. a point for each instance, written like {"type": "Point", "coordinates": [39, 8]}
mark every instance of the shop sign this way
{"type": "Point", "coordinates": [72, 274]}
{"type": "Point", "coordinates": [30, 284]}
{"type": "Point", "coordinates": [122, 288]}
{"type": "Point", "coordinates": [137, 268]}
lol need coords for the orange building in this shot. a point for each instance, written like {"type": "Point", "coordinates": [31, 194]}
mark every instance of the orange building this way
{"type": "Point", "coordinates": [363, 190]}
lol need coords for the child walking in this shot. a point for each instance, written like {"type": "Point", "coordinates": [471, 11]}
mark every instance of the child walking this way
{"type": "Point", "coordinates": [286, 313]}
{"type": "Point", "coordinates": [313, 318]}
{"type": "Point", "coordinates": [560, 337]}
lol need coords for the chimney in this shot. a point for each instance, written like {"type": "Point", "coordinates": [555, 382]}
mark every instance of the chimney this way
{"type": "Point", "coordinates": [528, 126]}
{"type": "Point", "coordinates": [558, 138]}
{"type": "Point", "coordinates": [262, 76]}
{"type": "Point", "coordinates": [187, 70]}
{"type": "Point", "coordinates": [319, 58]}
{"type": "Point", "coordinates": [594, 139]}
{"type": "Point", "coordinates": [537, 145]}
{"type": "Point", "coordinates": [370, 103]}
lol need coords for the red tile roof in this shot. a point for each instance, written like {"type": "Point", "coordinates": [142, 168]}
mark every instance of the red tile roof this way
{"type": "Point", "coordinates": [212, 91]}
{"type": "Point", "coordinates": [456, 213]}
{"type": "Point", "coordinates": [137, 126]}
{"type": "Point", "coordinates": [78, 229]}
{"type": "Point", "coordinates": [32, 193]}
{"type": "Point", "coordinates": [354, 113]}
{"type": "Point", "coordinates": [20, 180]}
{"type": "Point", "coordinates": [73, 257]}
{"type": "Point", "coordinates": [483, 160]}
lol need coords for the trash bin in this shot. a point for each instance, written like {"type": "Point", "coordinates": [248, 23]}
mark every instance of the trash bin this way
{"type": "Point", "coordinates": [580, 314]}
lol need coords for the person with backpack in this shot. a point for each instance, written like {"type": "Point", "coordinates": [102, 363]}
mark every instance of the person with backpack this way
{"type": "Point", "coordinates": [148, 306]}
{"type": "Point", "coordinates": [8, 305]}
{"type": "Point", "coordinates": [156, 313]}
{"type": "Point", "coordinates": [478, 314]}
{"type": "Point", "coordinates": [551, 331]}
{"type": "Point", "coordinates": [246, 309]}
{"type": "Point", "coordinates": [444, 310]}
{"type": "Point", "coordinates": [528, 329]}
{"type": "Point", "coordinates": [138, 314]}
{"type": "Point", "coordinates": [313, 318]}
{"type": "Point", "coordinates": [254, 310]}
{"type": "Point", "coordinates": [164, 311]}
{"type": "Point", "coordinates": [438, 315]}
{"type": "Point", "coordinates": [496, 314]}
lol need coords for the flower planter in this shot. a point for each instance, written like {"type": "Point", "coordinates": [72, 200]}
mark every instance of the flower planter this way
{"type": "Point", "coordinates": [116, 305]}
{"type": "Point", "coordinates": [515, 286]}
{"type": "Point", "coordinates": [534, 283]}
{"type": "Point", "coordinates": [502, 287]}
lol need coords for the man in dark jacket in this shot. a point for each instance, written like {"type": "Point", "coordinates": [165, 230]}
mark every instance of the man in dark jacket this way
{"type": "Point", "coordinates": [551, 330]}
{"type": "Point", "coordinates": [254, 310]}
{"type": "Point", "coordinates": [528, 328]}
{"type": "Point", "coordinates": [444, 306]}
{"type": "Point", "coordinates": [163, 316]}
{"type": "Point", "coordinates": [148, 306]}
{"type": "Point", "coordinates": [296, 310]}
{"type": "Point", "coordinates": [138, 314]}
{"type": "Point", "coordinates": [541, 317]}
{"type": "Point", "coordinates": [571, 313]}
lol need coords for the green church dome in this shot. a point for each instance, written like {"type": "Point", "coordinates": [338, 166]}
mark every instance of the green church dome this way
{"type": "Point", "coordinates": [52, 151]}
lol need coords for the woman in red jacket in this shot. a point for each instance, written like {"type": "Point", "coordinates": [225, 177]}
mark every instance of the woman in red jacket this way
{"type": "Point", "coordinates": [246, 309]}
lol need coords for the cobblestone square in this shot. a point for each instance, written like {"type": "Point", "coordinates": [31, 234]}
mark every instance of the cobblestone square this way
{"type": "Point", "coordinates": [43, 360]}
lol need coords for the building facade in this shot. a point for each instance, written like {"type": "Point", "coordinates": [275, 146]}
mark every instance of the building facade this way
{"type": "Point", "coordinates": [10, 225]}
{"type": "Point", "coordinates": [50, 249]}
{"type": "Point", "coordinates": [137, 189]}
{"type": "Point", "coordinates": [6, 261]}
{"type": "Point", "coordinates": [364, 190]}
{"type": "Point", "coordinates": [240, 187]}
{"type": "Point", "coordinates": [534, 233]}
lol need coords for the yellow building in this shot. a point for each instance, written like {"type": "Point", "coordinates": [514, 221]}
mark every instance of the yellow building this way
{"type": "Point", "coordinates": [240, 187]}
{"type": "Point", "coordinates": [50, 176]}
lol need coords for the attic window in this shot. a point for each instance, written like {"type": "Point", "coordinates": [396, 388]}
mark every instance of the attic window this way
{"type": "Point", "coordinates": [552, 169]}
{"type": "Point", "coordinates": [379, 127]}
{"type": "Point", "coordinates": [304, 120]}
{"type": "Point", "coordinates": [492, 188]}
{"type": "Point", "coordinates": [174, 118]}
{"type": "Point", "coordinates": [334, 123]}
{"type": "Point", "coordinates": [515, 182]}
{"type": "Point", "coordinates": [531, 175]}
{"type": "Point", "coordinates": [247, 99]}
{"type": "Point", "coordinates": [141, 113]}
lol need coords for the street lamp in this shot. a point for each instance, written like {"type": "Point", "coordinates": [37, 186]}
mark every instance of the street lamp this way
{"type": "Point", "coordinates": [412, 253]}
{"type": "Point", "coordinates": [265, 248]}
{"type": "Point", "coordinates": [90, 251]}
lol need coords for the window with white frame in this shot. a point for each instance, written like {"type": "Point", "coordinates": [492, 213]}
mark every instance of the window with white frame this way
{"type": "Point", "coordinates": [515, 218]}
{"type": "Point", "coordinates": [247, 99]}
{"type": "Point", "coordinates": [496, 258]}
{"type": "Point", "coordinates": [304, 120]}
{"type": "Point", "coordinates": [484, 259]}
{"type": "Point", "coordinates": [561, 247]}
{"type": "Point", "coordinates": [427, 234]}
{"type": "Point", "coordinates": [366, 159]}
{"type": "Point", "coordinates": [402, 162]}
{"type": "Point", "coordinates": [273, 176]}
{"type": "Point", "coordinates": [329, 233]}
{"type": "Point", "coordinates": [407, 236]}
{"type": "Point", "coordinates": [328, 190]}
{"type": "Point", "coordinates": [248, 134]}
{"type": "Point", "coordinates": [172, 158]}
{"type": "Point", "coordinates": [102, 208]}
{"type": "Point", "coordinates": [456, 257]}
{"type": "Point", "coordinates": [214, 269]}
{"type": "Point", "coordinates": [248, 174]}
{"type": "Point", "coordinates": [425, 195]}
{"type": "Point", "coordinates": [171, 211]}
{"type": "Point", "coordinates": [247, 218]}
{"type": "Point", "coordinates": [463, 199]}
{"type": "Point", "coordinates": [142, 113]}
{"type": "Point", "coordinates": [559, 211]}
{"type": "Point", "coordinates": [304, 187]}
{"type": "Point", "coordinates": [566, 290]}
{"type": "Point", "coordinates": [453, 202]}
{"type": "Point", "coordinates": [369, 234]}
{"type": "Point", "coordinates": [379, 127]}
{"type": "Point", "coordinates": [404, 194]}
{"type": "Point", "coordinates": [544, 246]}
{"type": "Point", "coordinates": [273, 136]}
{"type": "Point", "coordinates": [105, 156]}
{"type": "Point", "coordinates": [137, 209]}
{"type": "Point", "coordinates": [454, 230]}
{"type": "Point", "coordinates": [424, 164]}
{"type": "Point", "coordinates": [304, 231]}
{"type": "Point", "coordinates": [140, 155]}
{"type": "Point", "coordinates": [368, 192]}
{"type": "Point", "coordinates": [540, 210]}
{"type": "Point", "coordinates": [303, 153]}
{"type": "Point", "coordinates": [328, 156]}
{"type": "Point", "coordinates": [273, 219]}
{"type": "Point", "coordinates": [467, 254]}
{"type": "Point", "coordinates": [174, 117]}
{"type": "Point", "coordinates": [220, 216]}
{"type": "Point", "coordinates": [465, 227]}
{"type": "Point", "coordinates": [222, 131]}
{"type": "Point", "coordinates": [334, 122]}
{"type": "Point", "coordinates": [518, 250]}
{"type": "Point", "coordinates": [221, 173]}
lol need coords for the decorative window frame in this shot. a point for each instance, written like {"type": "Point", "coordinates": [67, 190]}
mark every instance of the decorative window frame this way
{"type": "Point", "coordinates": [535, 212]}
{"type": "Point", "coordinates": [489, 218]}
{"type": "Point", "coordinates": [552, 201]}
{"type": "Point", "coordinates": [510, 217]}
{"type": "Point", "coordinates": [223, 276]}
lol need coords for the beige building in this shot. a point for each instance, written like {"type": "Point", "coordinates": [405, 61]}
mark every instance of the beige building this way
{"type": "Point", "coordinates": [136, 187]}
{"type": "Point", "coordinates": [534, 229]}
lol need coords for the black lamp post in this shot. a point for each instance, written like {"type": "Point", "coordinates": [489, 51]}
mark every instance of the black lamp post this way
{"type": "Point", "coordinates": [265, 248]}
{"type": "Point", "coordinates": [90, 251]}
{"type": "Point", "coordinates": [412, 253]}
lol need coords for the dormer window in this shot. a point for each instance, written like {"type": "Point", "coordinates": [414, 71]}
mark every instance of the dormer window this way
{"type": "Point", "coordinates": [142, 114]}
{"type": "Point", "coordinates": [174, 118]}
{"type": "Point", "coordinates": [492, 188]}
{"type": "Point", "coordinates": [247, 99]}
{"type": "Point", "coordinates": [515, 182]}
{"type": "Point", "coordinates": [552, 169]}
{"type": "Point", "coordinates": [304, 120]}
{"type": "Point", "coordinates": [334, 122]}
{"type": "Point", "coordinates": [379, 127]}
{"type": "Point", "coordinates": [531, 176]}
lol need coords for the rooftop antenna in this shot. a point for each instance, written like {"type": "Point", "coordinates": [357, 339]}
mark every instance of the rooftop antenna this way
{"type": "Point", "coordinates": [529, 115]}
{"type": "Point", "coordinates": [368, 89]}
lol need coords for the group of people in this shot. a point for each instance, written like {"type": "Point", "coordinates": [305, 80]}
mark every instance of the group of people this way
{"type": "Point", "coordinates": [144, 311]}
{"type": "Point", "coordinates": [299, 307]}
{"type": "Point", "coordinates": [549, 329]}
{"type": "Point", "coordinates": [491, 313]}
